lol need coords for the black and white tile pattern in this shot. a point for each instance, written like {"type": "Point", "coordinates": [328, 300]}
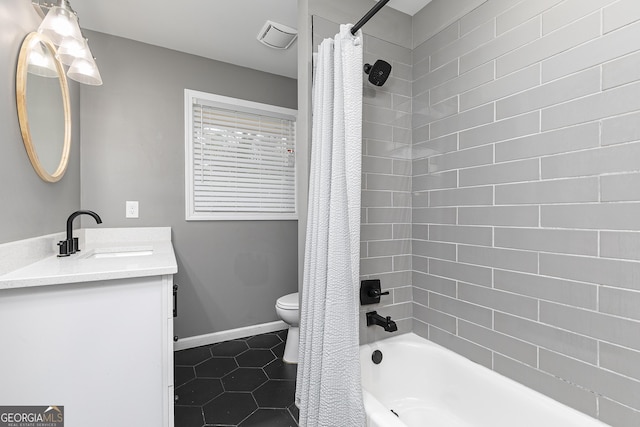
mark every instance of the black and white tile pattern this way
{"type": "Point", "coordinates": [241, 383]}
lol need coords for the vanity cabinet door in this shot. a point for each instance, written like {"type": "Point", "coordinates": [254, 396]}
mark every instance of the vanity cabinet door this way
{"type": "Point", "coordinates": [103, 350]}
{"type": "Point", "coordinates": [167, 309]}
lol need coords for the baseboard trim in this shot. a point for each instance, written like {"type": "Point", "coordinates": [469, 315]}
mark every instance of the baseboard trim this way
{"type": "Point", "coordinates": [231, 334]}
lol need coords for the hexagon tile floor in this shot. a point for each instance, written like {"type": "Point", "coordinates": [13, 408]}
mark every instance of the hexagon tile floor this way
{"type": "Point", "coordinates": [241, 383]}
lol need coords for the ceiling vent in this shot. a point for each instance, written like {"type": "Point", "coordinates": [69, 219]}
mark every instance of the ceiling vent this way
{"type": "Point", "coordinates": [277, 36]}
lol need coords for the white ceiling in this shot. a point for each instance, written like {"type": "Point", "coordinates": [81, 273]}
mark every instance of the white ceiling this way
{"type": "Point", "coordinates": [410, 7]}
{"type": "Point", "coordinates": [221, 30]}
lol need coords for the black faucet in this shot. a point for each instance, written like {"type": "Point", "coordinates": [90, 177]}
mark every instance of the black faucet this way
{"type": "Point", "coordinates": [70, 246]}
{"type": "Point", "coordinates": [373, 318]}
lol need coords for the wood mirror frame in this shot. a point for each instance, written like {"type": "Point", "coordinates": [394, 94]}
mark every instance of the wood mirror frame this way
{"type": "Point", "coordinates": [34, 39]}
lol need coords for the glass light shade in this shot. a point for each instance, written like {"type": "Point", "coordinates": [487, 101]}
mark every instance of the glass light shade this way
{"type": "Point", "coordinates": [70, 49]}
{"type": "Point", "coordinates": [41, 62]}
{"type": "Point", "coordinates": [61, 23]}
{"type": "Point", "coordinates": [41, 13]}
{"type": "Point", "coordinates": [85, 71]}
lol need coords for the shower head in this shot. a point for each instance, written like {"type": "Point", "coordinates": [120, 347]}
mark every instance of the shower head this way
{"type": "Point", "coordinates": [378, 72]}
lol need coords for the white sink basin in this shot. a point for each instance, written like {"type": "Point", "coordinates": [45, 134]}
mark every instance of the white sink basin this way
{"type": "Point", "coordinates": [119, 252]}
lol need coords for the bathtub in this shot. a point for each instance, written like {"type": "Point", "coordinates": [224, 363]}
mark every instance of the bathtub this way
{"type": "Point", "coordinates": [428, 385]}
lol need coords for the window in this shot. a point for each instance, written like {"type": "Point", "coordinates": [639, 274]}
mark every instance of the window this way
{"type": "Point", "coordinates": [240, 159]}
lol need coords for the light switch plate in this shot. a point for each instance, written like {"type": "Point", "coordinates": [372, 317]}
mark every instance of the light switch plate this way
{"type": "Point", "coordinates": [132, 209]}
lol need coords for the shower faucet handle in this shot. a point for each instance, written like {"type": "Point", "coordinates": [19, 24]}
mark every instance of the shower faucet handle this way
{"type": "Point", "coordinates": [370, 292]}
{"type": "Point", "coordinates": [376, 293]}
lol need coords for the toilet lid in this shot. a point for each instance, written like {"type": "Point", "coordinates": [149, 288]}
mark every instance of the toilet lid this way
{"type": "Point", "coordinates": [289, 302]}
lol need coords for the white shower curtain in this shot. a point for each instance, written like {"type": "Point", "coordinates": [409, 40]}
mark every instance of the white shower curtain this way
{"type": "Point", "coordinates": [328, 390]}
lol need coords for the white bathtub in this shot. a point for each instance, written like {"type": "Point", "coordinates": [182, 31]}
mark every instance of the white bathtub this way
{"type": "Point", "coordinates": [428, 385]}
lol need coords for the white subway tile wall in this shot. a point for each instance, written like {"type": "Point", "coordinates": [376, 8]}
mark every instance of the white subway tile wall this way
{"type": "Point", "coordinates": [525, 207]}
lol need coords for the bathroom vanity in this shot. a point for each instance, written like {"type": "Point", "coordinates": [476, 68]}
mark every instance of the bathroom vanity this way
{"type": "Point", "coordinates": [92, 332]}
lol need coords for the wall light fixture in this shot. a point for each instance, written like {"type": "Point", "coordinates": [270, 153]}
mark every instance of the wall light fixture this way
{"type": "Point", "coordinates": [61, 25]}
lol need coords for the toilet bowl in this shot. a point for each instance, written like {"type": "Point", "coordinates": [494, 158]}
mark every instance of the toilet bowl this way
{"type": "Point", "coordinates": [288, 310]}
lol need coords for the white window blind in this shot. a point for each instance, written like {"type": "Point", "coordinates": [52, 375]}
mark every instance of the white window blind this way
{"type": "Point", "coordinates": [240, 159]}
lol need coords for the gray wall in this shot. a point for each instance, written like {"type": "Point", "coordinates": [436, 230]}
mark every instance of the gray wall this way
{"type": "Point", "coordinates": [441, 13]}
{"type": "Point", "coordinates": [230, 272]}
{"type": "Point", "coordinates": [30, 206]}
{"type": "Point", "coordinates": [526, 204]}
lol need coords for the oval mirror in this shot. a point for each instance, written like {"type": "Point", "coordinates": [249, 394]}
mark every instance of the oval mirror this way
{"type": "Point", "coordinates": [43, 107]}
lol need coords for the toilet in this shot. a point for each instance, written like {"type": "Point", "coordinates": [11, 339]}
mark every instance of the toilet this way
{"type": "Point", "coordinates": [289, 311]}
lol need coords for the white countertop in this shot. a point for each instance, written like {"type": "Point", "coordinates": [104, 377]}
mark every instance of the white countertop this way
{"type": "Point", "coordinates": [83, 266]}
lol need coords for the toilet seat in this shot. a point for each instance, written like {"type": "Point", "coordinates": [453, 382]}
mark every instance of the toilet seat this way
{"type": "Point", "coordinates": [288, 302]}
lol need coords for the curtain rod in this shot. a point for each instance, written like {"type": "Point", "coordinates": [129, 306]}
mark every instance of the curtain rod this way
{"type": "Point", "coordinates": [368, 16]}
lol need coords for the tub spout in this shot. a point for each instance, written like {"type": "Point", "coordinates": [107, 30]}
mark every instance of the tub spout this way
{"type": "Point", "coordinates": [373, 318]}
